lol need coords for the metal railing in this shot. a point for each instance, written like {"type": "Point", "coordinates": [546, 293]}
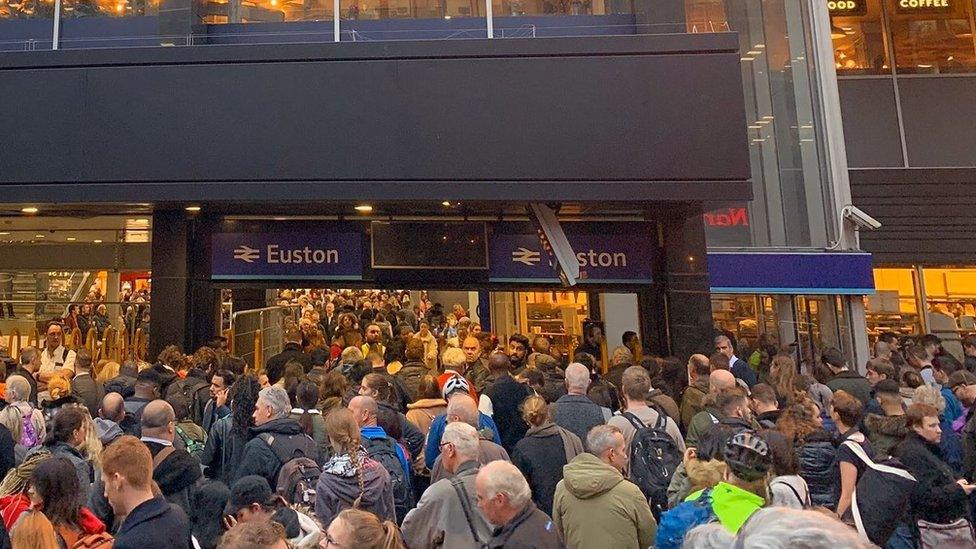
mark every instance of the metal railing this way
{"type": "Point", "coordinates": [256, 334]}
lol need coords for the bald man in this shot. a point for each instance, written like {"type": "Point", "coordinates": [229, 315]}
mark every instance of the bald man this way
{"type": "Point", "coordinates": [175, 471]}
{"type": "Point", "coordinates": [719, 381]}
{"type": "Point", "coordinates": [113, 421]}
{"type": "Point", "coordinates": [476, 371]}
{"type": "Point", "coordinates": [380, 445]}
{"type": "Point", "coordinates": [693, 397]}
{"type": "Point", "coordinates": [463, 408]}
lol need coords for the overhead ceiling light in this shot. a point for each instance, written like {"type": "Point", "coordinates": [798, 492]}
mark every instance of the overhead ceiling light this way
{"type": "Point", "coordinates": [446, 203]}
{"type": "Point", "coordinates": [364, 208]}
{"type": "Point", "coordinates": [193, 209]}
{"type": "Point", "coordinates": [30, 210]}
{"type": "Point", "coordinates": [38, 236]}
{"type": "Point", "coordinates": [71, 239]}
{"type": "Point", "coordinates": [4, 233]}
{"type": "Point", "coordinates": [97, 241]}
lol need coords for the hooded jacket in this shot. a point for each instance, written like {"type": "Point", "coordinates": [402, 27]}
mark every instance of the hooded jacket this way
{"type": "Point", "coordinates": [301, 530]}
{"type": "Point", "coordinates": [410, 375]}
{"type": "Point", "coordinates": [885, 432]}
{"type": "Point", "coordinates": [338, 488]}
{"type": "Point", "coordinates": [594, 506]}
{"type": "Point", "coordinates": [107, 430]}
{"type": "Point", "coordinates": [422, 412]}
{"type": "Point", "coordinates": [541, 456]}
{"type": "Point", "coordinates": [700, 424]}
{"type": "Point", "coordinates": [553, 385]}
{"type": "Point", "coordinates": [154, 524]}
{"type": "Point", "coordinates": [175, 475]}
{"type": "Point", "coordinates": [258, 458]}
{"type": "Point", "coordinates": [691, 401]}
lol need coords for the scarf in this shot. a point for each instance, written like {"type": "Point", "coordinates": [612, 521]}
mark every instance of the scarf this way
{"type": "Point", "coordinates": [341, 465]}
{"type": "Point", "coordinates": [572, 445]}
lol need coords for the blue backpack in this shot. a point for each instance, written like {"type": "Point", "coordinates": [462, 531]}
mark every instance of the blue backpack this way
{"type": "Point", "coordinates": [679, 521]}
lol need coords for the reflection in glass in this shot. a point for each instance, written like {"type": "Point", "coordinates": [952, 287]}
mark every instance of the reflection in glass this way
{"type": "Point", "coordinates": [856, 30]}
{"type": "Point", "coordinates": [932, 39]}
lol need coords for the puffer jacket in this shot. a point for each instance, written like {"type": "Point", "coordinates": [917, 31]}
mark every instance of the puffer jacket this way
{"type": "Point", "coordinates": [816, 457]}
{"type": "Point", "coordinates": [410, 374]}
{"type": "Point", "coordinates": [885, 432]}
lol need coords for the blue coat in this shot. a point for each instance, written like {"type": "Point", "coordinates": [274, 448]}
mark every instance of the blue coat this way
{"type": "Point", "coordinates": [742, 371]}
{"type": "Point", "coordinates": [433, 448]}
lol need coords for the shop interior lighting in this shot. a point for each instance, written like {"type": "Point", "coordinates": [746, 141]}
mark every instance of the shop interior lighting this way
{"type": "Point", "coordinates": [363, 208]}
{"type": "Point", "coordinates": [30, 210]}
{"type": "Point", "coordinates": [193, 209]}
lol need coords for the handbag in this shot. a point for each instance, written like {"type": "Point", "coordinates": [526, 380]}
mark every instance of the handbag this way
{"type": "Point", "coordinates": [955, 535]}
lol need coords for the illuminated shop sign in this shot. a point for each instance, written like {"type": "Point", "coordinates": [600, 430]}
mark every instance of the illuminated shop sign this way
{"type": "Point", "coordinates": [847, 7]}
{"type": "Point", "coordinates": [923, 6]}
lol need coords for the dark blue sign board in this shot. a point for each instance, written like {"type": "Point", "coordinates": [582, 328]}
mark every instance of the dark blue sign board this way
{"type": "Point", "coordinates": [791, 273]}
{"type": "Point", "coordinates": [307, 255]}
{"type": "Point", "coordinates": [606, 252]}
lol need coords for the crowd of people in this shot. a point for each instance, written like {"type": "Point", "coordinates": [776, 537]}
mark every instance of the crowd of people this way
{"type": "Point", "coordinates": [382, 425]}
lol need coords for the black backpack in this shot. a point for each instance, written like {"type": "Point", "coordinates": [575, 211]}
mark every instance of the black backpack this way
{"type": "Point", "coordinates": [184, 396]}
{"type": "Point", "coordinates": [384, 452]}
{"type": "Point", "coordinates": [654, 456]}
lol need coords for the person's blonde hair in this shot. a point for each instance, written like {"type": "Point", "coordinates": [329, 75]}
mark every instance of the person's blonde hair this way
{"type": "Point", "coordinates": [33, 529]}
{"type": "Point", "coordinates": [343, 433]}
{"type": "Point", "coordinates": [368, 532]}
{"type": "Point", "coordinates": [782, 376]}
{"type": "Point", "coordinates": [58, 387]}
{"type": "Point", "coordinates": [535, 411]}
{"type": "Point", "coordinates": [92, 448]}
{"type": "Point", "coordinates": [130, 458]}
{"type": "Point", "coordinates": [109, 371]}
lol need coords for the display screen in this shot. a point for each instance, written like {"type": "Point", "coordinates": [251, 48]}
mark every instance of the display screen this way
{"type": "Point", "coordinates": [428, 245]}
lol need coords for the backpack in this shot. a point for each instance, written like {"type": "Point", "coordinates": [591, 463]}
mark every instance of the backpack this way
{"type": "Point", "coordinates": [194, 447]}
{"type": "Point", "coordinates": [28, 434]}
{"type": "Point", "coordinates": [184, 396]}
{"type": "Point", "coordinates": [881, 495]}
{"type": "Point", "coordinates": [299, 472]}
{"type": "Point", "coordinates": [384, 451]}
{"type": "Point", "coordinates": [654, 456]}
{"type": "Point", "coordinates": [679, 521]}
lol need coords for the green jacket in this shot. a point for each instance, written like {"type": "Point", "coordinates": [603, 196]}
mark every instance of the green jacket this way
{"type": "Point", "coordinates": [732, 505]}
{"type": "Point", "coordinates": [594, 506]}
{"type": "Point", "coordinates": [691, 401]}
{"type": "Point", "coordinates": [700, 424]}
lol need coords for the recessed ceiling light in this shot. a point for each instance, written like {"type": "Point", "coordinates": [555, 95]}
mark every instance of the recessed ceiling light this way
{"type": "Point", "coordinates": [365, 208]}
{"type": "Point", "coordinates": [97, 241]}
{"type": "Point", "coordinates": [193, 208]}
{"type": "Point", "coordinates": [446, 203]}
{"type": "Point", "coordinates": [30, 210]}
{"type": "Point", "coordinates": [71, 239]}
{"type": "Point", "coordinates": [38, 236]}
{"type": "Point", "coordinates": [4, 233]}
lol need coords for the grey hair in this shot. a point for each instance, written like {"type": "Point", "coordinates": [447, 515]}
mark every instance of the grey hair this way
{"type": "Point", "coordinates": [721, 337]}
{"type": "Point", "coordinates": [577, 376]}
{"type": "Point", "coordinates": [926, 394]}
{"type": "Point", "coordinates": [881, 348]}
{"type": "Point", "coordinates": [464, 438]}
{"type": "Point", "coordinates": [709, 536]}
{"type": "Point", "coordinates": [782, 527]}
{"type": "Point", "coordinates": [601, 438]}
{"type": "Point", "coordinates": [453, 358]}
{"type": "Point", "coordinates": [27, 354]}
{"type": "Point", "coordinates": [351, 354]}
{"type": "Point", "coordinates": [18, 388]}
{"type": "Point", "coordinates": [621, 355]}
{"type": "Point", "coordinates": [277, 399]}
{"type": "Point", "coordinates": [465, 408]}
{"type": "Point", "coordinates": [501, 477]}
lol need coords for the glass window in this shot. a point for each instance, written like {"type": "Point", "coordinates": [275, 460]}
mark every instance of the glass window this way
{"type": "Point", "coordinates": [932, 36]}
{"type": "Point", "coordinates": [557, 315]}
{"type": "Point", "coordinates": [894, 305]}
{"type": "Point", "coordinates": [706, 16]}
{"type": "Point", "coordinates": [856, 30]}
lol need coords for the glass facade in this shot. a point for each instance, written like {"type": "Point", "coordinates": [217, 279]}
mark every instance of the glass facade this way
{"type": "Point", "coordinates": [921, 36]}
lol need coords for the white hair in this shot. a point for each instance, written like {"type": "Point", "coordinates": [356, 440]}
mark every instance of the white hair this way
{"type": "Point", "coordinates": [782, 527]}
{"type": "Point", "coordinates": [601, 438]}
{"type": "Point", "coordinates": [18, 388]}
{"type": "Point", "coordinates": [577, 376]}
{"type": "Point", "coordinates": [926, 394]}
{"type": "Point", "coordinates": [621, 355]}
{"type": "Point", "coordinates": [501, 477]}
{"type": "Point", "coordinates": [465, 408]}
{"type": "Point", "coordinates": [453, 358]}
{"type": "Point", "coordinates": [708, 536]}
{"type": "Point", "coordinates": [464, 438]}
{"type": "Point", "coordinates": [277, 399]}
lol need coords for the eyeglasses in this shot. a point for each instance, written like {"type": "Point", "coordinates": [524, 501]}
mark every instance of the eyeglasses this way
{"type": "Point", "coordinates": [443, 444]}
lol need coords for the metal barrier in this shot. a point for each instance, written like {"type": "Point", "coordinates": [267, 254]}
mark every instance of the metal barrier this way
{"type": "Point", "coordinates": [257, 334]}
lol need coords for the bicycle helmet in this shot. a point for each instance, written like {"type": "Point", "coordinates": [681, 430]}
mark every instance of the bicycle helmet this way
{"type": "Point", "coordinates": [455, 384]}
{"type": "Point", "coordinates": [747, 455]}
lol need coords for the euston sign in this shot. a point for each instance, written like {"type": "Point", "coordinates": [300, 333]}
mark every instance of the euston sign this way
{"type": "Point", "coordinates": [606, 252]}
{"type": "Point", "coordinates": [307, 255]}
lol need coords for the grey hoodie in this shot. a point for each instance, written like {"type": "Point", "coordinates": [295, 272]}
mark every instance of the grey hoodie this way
{"type": "Point", "coordinates": [338, 488]}
{"type": "Point", "coordinates": [107, 430]}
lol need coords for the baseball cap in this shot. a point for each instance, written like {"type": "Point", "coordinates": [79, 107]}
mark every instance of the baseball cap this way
{"type": "Point", "coordinates": [887, 386]}
{"type": "Point", "coordinates": [248, 490]}
{"type": "Point", "coordinates": [961, 377]}
{"type": "Point", "coordinates": [455, 384]}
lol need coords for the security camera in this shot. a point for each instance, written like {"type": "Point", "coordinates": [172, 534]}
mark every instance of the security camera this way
{"type": "Point", "coordinates": [860, 218]}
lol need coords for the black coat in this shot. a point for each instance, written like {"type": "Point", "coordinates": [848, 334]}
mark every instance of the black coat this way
{"type": "Point", "coordinates": [506, 396]}
{"type": "Point", "coordinates": [176, 475]}
{"type": "Point", "coordinates": [154, 524]}
{"type": "Point", "coordinates": [936, 498]}
{"type": "Point", "coordinates": [258, 458]}
{"type": "Point", "coordinates": [292, 352]}
{"type": "Point", "coordinates": [816, 458]}
{"type": "Point", "coordinates": [530, 528]}
{"type": "Point", "coordinates": [7, 460]}
{"type": "Point", "coordinates": [541, 460]}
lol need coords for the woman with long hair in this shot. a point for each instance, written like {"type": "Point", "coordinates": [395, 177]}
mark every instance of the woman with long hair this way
{"type": "Point", "coordinates": [14, 499]}
{"type": "Point", "coordinates": [228, 435]}
{"type": "Point", "coordinates": [782, 376]}
{"type": "Point", "coordinates": [331, 390]}
{"type": "Point", "coordinates": [544, 451]}
{"type": "Point", "coordinates": [351, 479]}
{"type": "Point", "coordinates": [308, 416]}
{"type": "Point", "coordinates": [55, 492]}
{"type": "Point", "coordinates": [801, 425]}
